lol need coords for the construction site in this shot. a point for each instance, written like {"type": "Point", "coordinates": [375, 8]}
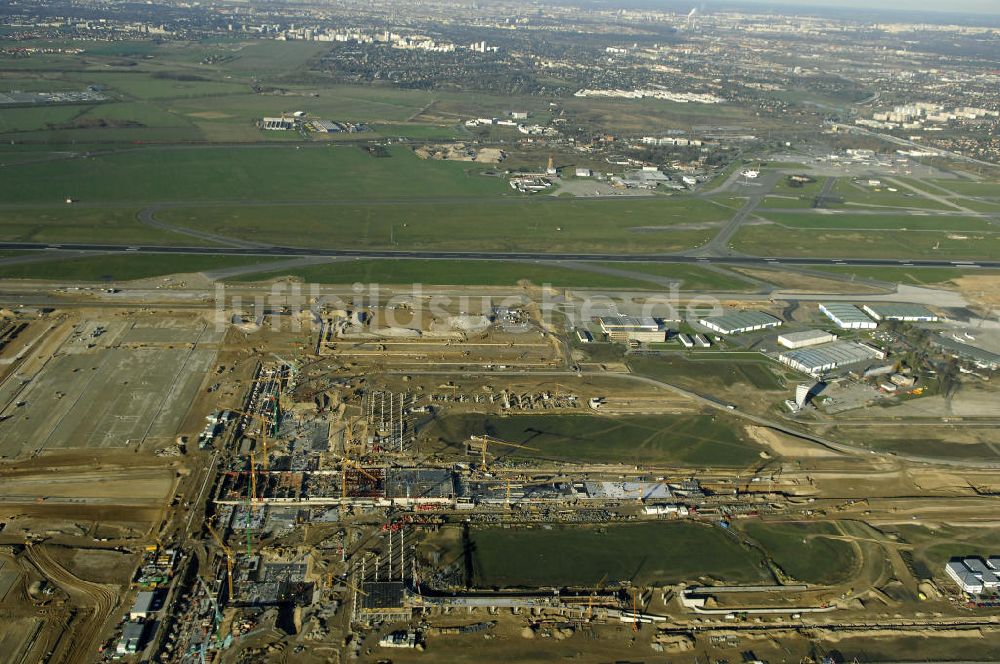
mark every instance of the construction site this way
{"type": "Point", "coordinates": [378, 483]}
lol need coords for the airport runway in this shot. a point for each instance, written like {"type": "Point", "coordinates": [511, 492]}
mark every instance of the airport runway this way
{"type": "Point", "coordinates": [69, 248]}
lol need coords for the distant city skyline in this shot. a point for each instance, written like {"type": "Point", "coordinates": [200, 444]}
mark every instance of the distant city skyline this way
{"type": "Point", "coordinates": [957, 6]}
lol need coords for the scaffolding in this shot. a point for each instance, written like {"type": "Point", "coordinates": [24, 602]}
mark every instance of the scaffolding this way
{"type": "Point", "coordinates": [387, 414]}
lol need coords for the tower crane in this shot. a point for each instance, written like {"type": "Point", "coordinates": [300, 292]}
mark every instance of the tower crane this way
{"type": "Point", "coordinates": [590, 600]}
{"type": "Point", "coordinates": [485, 441]}
{"type": "Point", "coordinates": [229, 556]}
{"type": "Point", "coordinates": [266, 422]}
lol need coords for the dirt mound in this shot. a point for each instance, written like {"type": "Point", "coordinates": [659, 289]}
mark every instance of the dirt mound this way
{"type": "Point", "coordinates": [785, 445]}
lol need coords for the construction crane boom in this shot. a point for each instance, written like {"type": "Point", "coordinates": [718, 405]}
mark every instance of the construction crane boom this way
{"type": "Point", "coordinates": [486, 441]}
{"type": "Point", "coordinates": [229, 557]}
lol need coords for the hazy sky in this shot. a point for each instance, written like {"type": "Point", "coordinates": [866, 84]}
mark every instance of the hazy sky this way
{"type": "Point", "coordinates": [979, 6]}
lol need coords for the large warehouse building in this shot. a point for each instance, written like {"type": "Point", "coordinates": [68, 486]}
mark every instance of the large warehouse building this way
{"type": "Point", "coordinates": [807, 338]}
{"type": "Point", "coordinates": [847, 316]}
{"type": "Point", "coordinates": [739, 322]}
{"type": "Point", "coordinates": [973, 575]}
{"type": "Point", "coordinates": [912, 313]}
{"type": "Point", "coordinates": [630, 328]}
{"type": "Point", "coordinates": [819, 360]}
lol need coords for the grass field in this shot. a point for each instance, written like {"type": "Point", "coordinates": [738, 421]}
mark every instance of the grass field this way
{"type": "Point", "coordinates": [873, 222]}
{"type": "Point", "coordinates": [933, 546]}
{"type": "Point", "coordinates": [691, 277]}
{"type": "Point", "coordinates": [961, 187]}
{"type": "Point", "coordinates": [20, 119]}
{"type": "Point", "coordinates": [442, 272]}
{"type": "Point", "coordinates": [646, 554]}
{"type": "Point", "coordinates": [511, 225]}
{"type": "Point", "coordinates": [766, 240]}
{"type": "Point", "coordinates": [81, 224]}
{"type": "Point", "coordinates": [929, 276]}
{"type": "Point", "coordinates": [123, 268]}
{"type": "Point", "coordinates": [805, 551]}
{"type": "Point", "coordinates": [689, 440]}
{"type": "Point", "coordinates": [722, 370]}
{"type": "Point", "coordinates": [864, 195]}
{"type": "Point", "coordinates": [272, 173]}
{"type": "Point", "coordinates": [788, 202]}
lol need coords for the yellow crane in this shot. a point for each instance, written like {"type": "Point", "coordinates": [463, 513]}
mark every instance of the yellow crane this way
{"type": "Point", "coordinates": [635, 609]}
{"type": "Point", "coordinates": [253, 480]}
{"type": "Point", "coordinates": [229, 557]}
{"type": "Point", "coordinates": [590, 600]}
{"type": "Point", "coordinates": [485, 441]}
{"type": "Point", "coordinates": [265, 423]}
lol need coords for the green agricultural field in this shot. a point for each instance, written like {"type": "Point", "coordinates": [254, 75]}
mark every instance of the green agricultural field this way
{"type": "Point", "coordinates": [698, 440]}
{"type": "Point", "coordinates": [643, 553]}
{"type": "Point", "coordinates": [83, 224]}
{"type": "Point", "coordinates": [875, 222]}
{"type": "Point", "coordinates": [515, 224]}
{"type": "Point", "coordinates": [459, 273]}
{"type": "Point", "coordinates": [270, 173]}
{"type": "Point", "coordinates": [715, 369]}
{"type": "Point", "coordinates": [806, 551]}
{"type": "Point", "coordinates": [123, 268]}
{"type": "Point", "coordinates": [763, 240]}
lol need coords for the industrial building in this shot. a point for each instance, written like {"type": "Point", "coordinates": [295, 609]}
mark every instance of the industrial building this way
{"type": "Point", "coordinates": [142, 608]}
{"type": "Point", "coordinates": [741, 321]}
{"type": "Point", "coordinates": [983, 359]}
{"type": "Point", "coordinates": [277, 124]}
{"type": "Point", "coordinates": [132, 638]}
{"type": "Point", "coordinates": [911, 313]}
{"type": "Point", "coordinates": [973, 575]}
{"type": "Point", "coordinates": [630, 328]}
{"type": "Point", "coordinates": [847, 316]}
{"type": "Point", "coordinates": [818, 360]}
{"type": "Point", "coordinates": [627, 490]}
{"type": "Point", "coordinates": [807, 338]}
